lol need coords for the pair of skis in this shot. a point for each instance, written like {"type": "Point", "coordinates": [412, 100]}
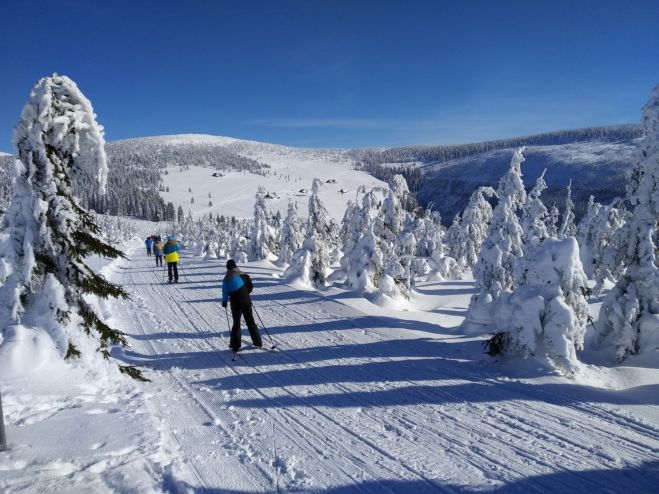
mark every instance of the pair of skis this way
{"type": "Point", "coordinates": [234, 353]}
{"type": "Point", "coordinates": [265, 349]}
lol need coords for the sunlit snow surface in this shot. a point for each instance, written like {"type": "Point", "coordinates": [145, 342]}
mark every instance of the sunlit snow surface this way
{"type": "Point", "coordinates": [358, 397]}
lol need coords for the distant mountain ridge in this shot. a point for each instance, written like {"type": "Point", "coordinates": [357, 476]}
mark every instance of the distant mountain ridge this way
{"type": "Point", "coordinates": [443, 176]}
{"type": "Point", "coordinates": [596, 159]}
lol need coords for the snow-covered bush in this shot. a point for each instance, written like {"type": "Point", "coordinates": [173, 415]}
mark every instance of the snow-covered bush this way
{"type": "Point", "coordinates": [546, 315]}
{"type": "Point", "coordinates": [446, 268]}
{"type": "Point", "coordinates": [46, 234]}
{"type": "Point", "coordinates": [629, 316]}
{"type": "Point", "coordinates": [366, 263]}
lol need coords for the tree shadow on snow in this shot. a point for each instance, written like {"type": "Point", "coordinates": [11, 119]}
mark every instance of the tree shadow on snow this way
{"type": "Point", "coordinates": [639, 479]}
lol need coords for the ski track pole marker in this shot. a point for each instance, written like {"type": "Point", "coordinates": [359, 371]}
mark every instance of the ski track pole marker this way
{"type": "Point", "coordinates": [3, 438]}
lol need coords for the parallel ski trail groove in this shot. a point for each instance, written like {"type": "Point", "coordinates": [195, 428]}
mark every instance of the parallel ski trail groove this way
{"type": "Point", "coordinates": [316, 410]}
{"type": "Point", "coordinates": [487, 437]}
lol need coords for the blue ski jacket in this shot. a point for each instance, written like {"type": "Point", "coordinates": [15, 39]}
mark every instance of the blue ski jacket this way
{"type": "Point", "coordinates": [237, 286]}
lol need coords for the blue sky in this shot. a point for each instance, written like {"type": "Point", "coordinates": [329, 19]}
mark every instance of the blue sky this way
{"type": "Point", "coordinates": [336, 73]}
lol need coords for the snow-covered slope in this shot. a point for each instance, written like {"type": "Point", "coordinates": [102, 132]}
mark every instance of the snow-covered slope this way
{"type": "Point", "coordinates": [357, 398]}
{"type": "Point", "coordinates": [595, 159]}
{"type": "Point", "coordinates": [595, 167]}
{"type": "Point", "coordinates": [286, 173]}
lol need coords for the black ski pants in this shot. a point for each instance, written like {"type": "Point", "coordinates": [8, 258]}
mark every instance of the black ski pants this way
{"type": "Point", "coordinates": [158, 259]}
{"type": "Point", "coordinates": [172, 268]}
{"type": "Point", "coordinates": [238, 310]}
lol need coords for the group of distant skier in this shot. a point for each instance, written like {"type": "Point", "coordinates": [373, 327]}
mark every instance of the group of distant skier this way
{"type": "Point", "coordinates": [156, 247]}
{"type": "Point", "coordinates": [236, 287]}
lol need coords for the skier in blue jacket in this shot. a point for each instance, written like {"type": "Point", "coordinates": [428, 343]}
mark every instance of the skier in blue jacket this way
{"type": "Point", "coordinates": [236, 288]}
{"type": "Point", "coordinates": [149, 243]}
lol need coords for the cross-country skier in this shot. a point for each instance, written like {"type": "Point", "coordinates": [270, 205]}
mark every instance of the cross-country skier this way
{"type": "Point", "coordinates": [171, 257]}
{"type": "Point", "coordinates": [158, 247]}
{"type": "Point", "coordinates": [236, 288]}
{"type": "Point", "coordinates": [149, 243]}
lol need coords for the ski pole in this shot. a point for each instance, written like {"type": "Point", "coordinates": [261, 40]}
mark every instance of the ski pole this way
{"type": "Point", "coordinates": [274, 345]}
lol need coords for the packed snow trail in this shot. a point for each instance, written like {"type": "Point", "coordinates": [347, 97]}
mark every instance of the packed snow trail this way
{"type": "Point", "coordinates": [357, 403]}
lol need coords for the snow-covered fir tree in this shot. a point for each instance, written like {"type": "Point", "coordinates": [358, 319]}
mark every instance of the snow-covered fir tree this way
{"type": "Point", "coordinates": [453, 237]}
{"type": "Point", "coordinates": [568, 227]}
{"type": "Point", "coordinates": [546, 314]}
{"type": "Point", "coordinates": [290, 235]}
{"type": "Point", "coordinates": [552, 221]}
{"type": "Point", "coordinates": [46, 234]}
{"type": "Point", "coordinates": [473, 228]}
{"type": "Point", "coordinates": [494, 271]}
{"type": "Point", "coordinates": [608, 243]}
{"type": "Point", "coordinates": [262, 242]}
{"type": "Point", "coordinates": [586, 235]}
{"type": "Point", "coordinates": [429, 233]}
{"type": "Point", "coordinates": [629, 315]}
{"type": "Point", "coordinates": [358, 223]}
{"type": "Point", "coordinates": [366, 263]}
{"type": "Point", "coordinates": [311, 263]}
{"type": "Point", "coordinates": [534, 215]}
{"type": "Point", "coordinates": [388, 227]}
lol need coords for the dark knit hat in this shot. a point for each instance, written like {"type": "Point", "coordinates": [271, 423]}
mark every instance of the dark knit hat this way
{"type": "Point", "coordinates": [231, 264]}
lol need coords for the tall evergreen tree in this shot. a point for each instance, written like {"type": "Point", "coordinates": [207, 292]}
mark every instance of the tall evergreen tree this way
{"type": "Point", "coordinates": [46, 233]}
{"type": "Point", "coordinates": [630, 313]}
{"type": "Point", "coordinates": [568, 227]}
{"type": "Point", "coordinates": [262, 241]}
{"type": "Point", "coordinates": [534, 215]}
{"type": "Point", "coordinates": [290, 236]}
{"type": "Point", "coordinates": [473, 229]}
{"type": "Point", "coordinates": [494, 271]}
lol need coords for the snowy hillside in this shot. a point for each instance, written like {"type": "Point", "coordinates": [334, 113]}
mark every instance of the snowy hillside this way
{"type": "Point", "coordinates": [226, 172]}
{"type": "Point", "coordinates": [596, 168]}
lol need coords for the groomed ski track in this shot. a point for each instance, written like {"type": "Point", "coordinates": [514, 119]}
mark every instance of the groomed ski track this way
{"type": "Point", "coordinates": [352, 402]}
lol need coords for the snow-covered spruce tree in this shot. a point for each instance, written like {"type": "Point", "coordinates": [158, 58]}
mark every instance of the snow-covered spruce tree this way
{"type": "Point", "coordinates": [629, 316]}
{"type": "Point", "coordinates": [534, 215]}
{"type": "Point", "coordinates": [586, 235]}
{"type": "Point", "coordinates": [366, 263]}
{"type": "Point", "coordinates": [473, 229]}
{"type": "Point", "coordinates": [494, 271]}
{"type": "Point", "coordinates": [546, 314]}
{"type": "Point", "coordinates": [361, 220]}
{"type": "Point", "coordinates": [568, 227]}
{"type": "Point", "coordinates": [609, 242]}
{"type": "Point", "coordinates": [453, 237]}
{"type": "Point", "coordinates": [388, 227]}
{"type": "Point", "coordinates": [311, 263]}
{"type": "Point", "coordinates": [262, 242]}
{"type": "Point", "coordinates": [429, 233]}
{"type": "Point", "coordinates": [47, 235]}
{"type": "Point", "coordinates": [346, 235]}
{"type": "Point", "coordinates": [290, 236]}
{"type": "Point", "coordinates": [552, 221]}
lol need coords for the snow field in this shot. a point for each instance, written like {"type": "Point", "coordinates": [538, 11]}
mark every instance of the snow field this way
{"type": "Point", "coordinates": [362, 399]}
{"type": "Point", "coordinates": [233, 193]}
